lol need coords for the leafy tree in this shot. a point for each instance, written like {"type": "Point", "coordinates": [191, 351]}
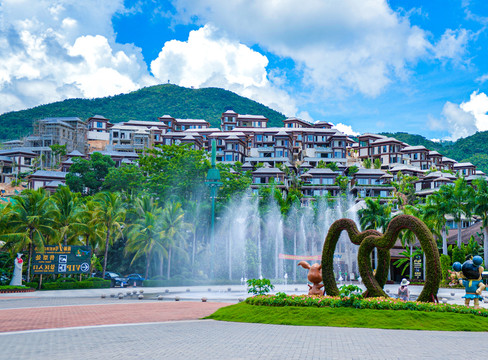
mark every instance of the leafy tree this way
{"type": "Point", "coordinates": [321, 164]}
{"type": "Point", "coordinates": [405, 189]}
{"type": "Point", "coordinates": [175, 171]}
{"type": "Point", "coordinates": [333, 166]}
{"type": "Point", "coordinates": [89, 174]}
{"type": "Point", "coordinates": [342, 182]}
{"type": "Point", "coordinates": [126, 178]}
{"type": "Point", "coordinates": [58, 151]}
{"type": "Point", "coordinates": [234, 182]}
{"type": "Point", "coordinates": [352, 170]}
{"type": "Point", "coordinates": [111, 214]}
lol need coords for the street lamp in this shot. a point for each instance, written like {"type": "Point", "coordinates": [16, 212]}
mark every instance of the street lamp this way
{"type": "Point", "coordinates": [213, 182]}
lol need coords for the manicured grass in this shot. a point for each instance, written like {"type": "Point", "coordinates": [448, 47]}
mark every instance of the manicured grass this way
{"type": "Point", "coordinates": [351, 317]}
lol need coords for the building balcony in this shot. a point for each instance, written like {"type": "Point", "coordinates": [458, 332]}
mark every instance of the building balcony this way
{"type": "Point", "coordinates": [317, 159]}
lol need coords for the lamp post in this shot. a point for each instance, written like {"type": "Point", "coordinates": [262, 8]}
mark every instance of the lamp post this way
{"type": "Point", "coordinates": [213, 182]}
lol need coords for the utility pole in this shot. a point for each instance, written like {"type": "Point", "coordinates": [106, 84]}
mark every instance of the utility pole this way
{"type": "Point", "coordinates": [213, 182]}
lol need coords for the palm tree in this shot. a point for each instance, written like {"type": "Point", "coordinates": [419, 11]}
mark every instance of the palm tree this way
{"type": "Point", "coordinates": [375, 215]}
{"type": "Point", "coordinates": [481, 209]}
{"type": "Point", "coordinates": [435, 210]}
{"type": "Point", "coordinates": [144, 236]}
{"type": "Point", "coordinates": [377, 163]}
{"type": "Point", "coordinates": [68, 208]}
{"type": "Point", "coordinates": [459, 200]}
{"type": "Point", "coordinates": [31, 222]}
{"type": "Point", "coordinates": [367, 163]}
{"type": "Point", "coordinates": [111, 213]}
{"type": "Point", "coordinates": [173, 229]}
{"type": "Point", "coordinates": [91, 229]}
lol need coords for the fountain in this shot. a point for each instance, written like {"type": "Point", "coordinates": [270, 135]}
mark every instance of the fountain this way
{"type": "Point", "coordinates": [252, 243]}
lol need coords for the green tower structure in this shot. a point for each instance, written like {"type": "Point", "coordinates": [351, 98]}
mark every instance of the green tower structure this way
{"type": "Point", "coordinates": [213, 182]}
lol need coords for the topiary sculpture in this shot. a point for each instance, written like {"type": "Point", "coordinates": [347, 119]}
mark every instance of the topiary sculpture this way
{"type": "Point", "coordinates": [367, 241]}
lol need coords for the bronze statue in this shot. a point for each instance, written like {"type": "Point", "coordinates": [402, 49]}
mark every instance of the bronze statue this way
{"type": "Point", "coordinates": [314, 276]}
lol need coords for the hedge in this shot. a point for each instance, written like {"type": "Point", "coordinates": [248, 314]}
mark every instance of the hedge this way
{"type": "Point", "coordinates": [378, 303]}
{"type": "Point", "coordinates": [70, 283]}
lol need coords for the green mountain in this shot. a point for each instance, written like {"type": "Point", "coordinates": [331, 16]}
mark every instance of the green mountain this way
{"type": "Point", "coordinates": [144, 104]}
{"type": "Point", "coordinates": [473, 149]}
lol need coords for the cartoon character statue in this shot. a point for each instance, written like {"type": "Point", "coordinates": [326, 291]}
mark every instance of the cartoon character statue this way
{"type": "Point", "coordinates": [17, 277]}
{"type": "Point", "coordinates": [314, 276]}
{"type": "Point", "coordinates": [470, 278]}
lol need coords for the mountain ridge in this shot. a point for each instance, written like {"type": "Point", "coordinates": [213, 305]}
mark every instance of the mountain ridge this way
{"type": "Point", "coordinates": [144, 104]}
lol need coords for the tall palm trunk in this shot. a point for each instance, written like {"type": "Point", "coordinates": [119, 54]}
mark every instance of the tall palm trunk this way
{"type": "Point", "coordinates": [148, 260]}
{"type": "Point", "coordinates": [161, 266]}
{"type": "Point", "coordinates": [485, 244]}
{"type": "Point", "coordinates": [106, 254]}
{"type": "Point", "coordinates": [444, 240]}
{"type": "Point", "coordinates": [169, 262]}
{"type": "Point", "coordinates": [29, 264]}
{"type": "Point", "coordinates": [459, 234]}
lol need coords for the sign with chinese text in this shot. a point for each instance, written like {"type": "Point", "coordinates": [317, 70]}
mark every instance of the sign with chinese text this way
{"type": "Point", "coordinates": [60, 259]}
{"type": "Point", "coordinates": [417, 267]}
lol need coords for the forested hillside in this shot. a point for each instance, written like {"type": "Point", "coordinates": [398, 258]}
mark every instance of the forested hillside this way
{"type": "Point", "coordinates": [144, 104]}
{"type": "Point", "coordinates": [473, 149]}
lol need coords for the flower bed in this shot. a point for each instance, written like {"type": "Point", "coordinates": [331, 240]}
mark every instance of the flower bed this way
{"type": "Point", "coordinates": [377, 303]}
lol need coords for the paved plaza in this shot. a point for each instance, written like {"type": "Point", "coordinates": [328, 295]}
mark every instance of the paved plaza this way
{"type": "Point", "coordinates": [79, 324]}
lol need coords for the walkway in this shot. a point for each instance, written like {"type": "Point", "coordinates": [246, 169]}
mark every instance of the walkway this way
{"type": "Point", "coordinates": [81, 325]}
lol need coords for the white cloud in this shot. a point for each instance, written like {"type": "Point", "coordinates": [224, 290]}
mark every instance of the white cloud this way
{"type": "Point", "coordinates": [346, 129]}
{"type": "Point", "coordinates": [456, 121]}
{"type": "Point", "coordinates": [342, 45]}
{"type": "Point", "coordinates": [209, 59]}
{"type": "Point", "coordinates": [452, 45]}
{"type": "Point", "coordinates": [478, 107]}
{"type": "Point", "coordinates": [482, 78]}
{"type": "Point", "coordinates": [464, 119]}
{"type": "Point", "coordinates": [54, 50]}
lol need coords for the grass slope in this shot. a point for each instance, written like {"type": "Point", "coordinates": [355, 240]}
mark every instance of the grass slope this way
{"type": "Point", "coordinates": [144, 104]}
{"type": "Point", "coordinates": [350, 317]}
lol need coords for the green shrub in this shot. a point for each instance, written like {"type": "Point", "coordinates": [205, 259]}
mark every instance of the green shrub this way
{"type": "Point", "coordinates": [32, 284]}
{"type": "Point", "coordinates": [12, 287]}
{"type": "Point", "coordinates": [259, 286]}
{"type": "Point", "coordinates": [458, 255]}
{"type": "Point", "coordinates": [445, 266]}
{"type": "Point", "coordinates": [377, 303]}
{"type": "Point", "coordinates": [65, 284]}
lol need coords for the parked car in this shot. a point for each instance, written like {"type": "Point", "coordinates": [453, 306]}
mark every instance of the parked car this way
{"type": "Point", "coordinates": [135, 278]}
{"type": "Point", "coordinates": [116, 279]}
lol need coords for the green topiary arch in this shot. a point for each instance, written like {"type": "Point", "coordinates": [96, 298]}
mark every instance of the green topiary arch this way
{"type": "Point", "coordinates": [367, 241]}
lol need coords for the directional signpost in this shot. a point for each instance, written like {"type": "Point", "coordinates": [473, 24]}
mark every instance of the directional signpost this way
{"type": "Point", "coordinates": [60, 259]}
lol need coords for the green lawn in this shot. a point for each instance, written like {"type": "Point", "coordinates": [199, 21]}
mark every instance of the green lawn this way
{"type": "Point", "coordinates": [350, 317]}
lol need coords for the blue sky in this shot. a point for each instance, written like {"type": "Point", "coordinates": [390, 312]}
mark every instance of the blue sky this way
{"type": "Point", "coordinates": [364, 65]}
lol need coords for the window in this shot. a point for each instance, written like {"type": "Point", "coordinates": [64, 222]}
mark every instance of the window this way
{"type": "Point", "coordinates": [237, 147]}
{"type": "Point", "coordinates": [362, 181]}
{"type": "Point", "coordinates": [228, 157]}
{"type": "Point", "coordinates": [384, 148]}
{"type": "Point", "coordinates": [257, 180]}
{"type": "Point", "coordinates": [279, 153]}
{"type": "Point", "coordinates": [310, 138]}
{"type": "Point", "coordinates": [315, 181]}
{"type": "Point", "coordinates": [328, 181]}
{"type": "Point", "coordinates": [363, 143]}
{"type": "Point", "coordinates": [259, 137]}
{"type": "Point", "coordinates": [99, 125]}
{"type": "Point", "coordinates": [383, 193]}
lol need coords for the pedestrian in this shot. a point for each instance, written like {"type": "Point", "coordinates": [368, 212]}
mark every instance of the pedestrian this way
{"type": "Point", "coordinates": [403, 293]}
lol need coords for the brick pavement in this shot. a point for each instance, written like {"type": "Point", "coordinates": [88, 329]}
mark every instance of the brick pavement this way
{"type": "Point", "coordinates": [112, 313]}
{"type": "Point", "coordinates": [208, 339]}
